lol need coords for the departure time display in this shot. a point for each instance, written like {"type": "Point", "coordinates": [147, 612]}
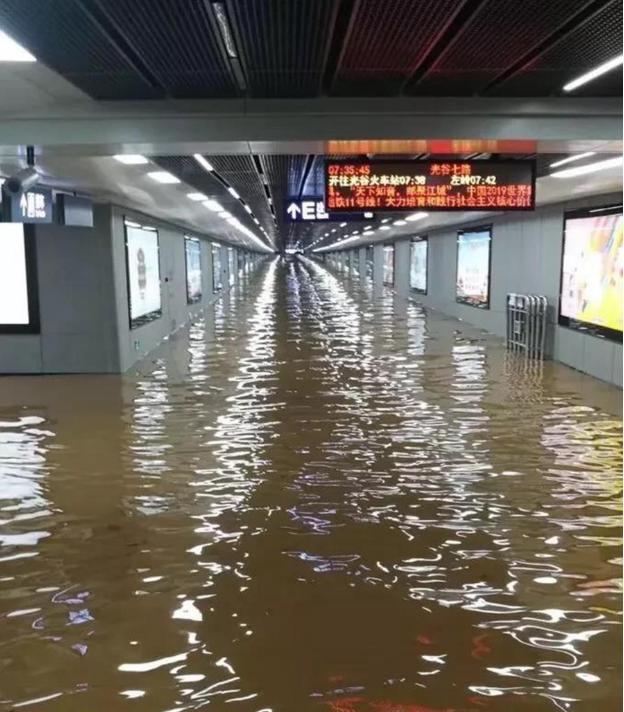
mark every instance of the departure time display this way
{"type": "Point", "coordinates": [429, 185]}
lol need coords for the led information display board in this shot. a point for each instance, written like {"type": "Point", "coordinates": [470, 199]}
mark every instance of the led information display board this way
{"type": "Point", "coordinates": [18, 302]}
{"type": "Point", "coordinates": [192, 259]}
{"type": "Point", "coordinates": [591, 274]}
{"type": "Point", "coordinates": [143, 274]}
{"type": "Point", "coordinates": [418, 264]}
{"type": "Point", "coordinates": [429, 185]}
{"type": "Point", "coordinates": [473, 267]}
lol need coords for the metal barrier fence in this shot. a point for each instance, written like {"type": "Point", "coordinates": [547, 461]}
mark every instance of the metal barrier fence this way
{"type": "Point", "coordinates": [526, 324]}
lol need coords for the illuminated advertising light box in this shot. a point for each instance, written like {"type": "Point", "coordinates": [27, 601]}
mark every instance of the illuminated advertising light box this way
{"type": "Point", "coordinates": [143, 272]}
{"type": "Point", "coordinates": [19, 309]}
{"type": "Point", "coordinates": [473, 267]}
{"type": "Point", "coordinates": [429, 185]}
{"type": "Point", "coordinates": [192, 260]}
{"type": "Point", "coordinates": [388, 264]}
{"type": "Point", "coordinates": [591, 272]}
{"type": "Point", "coordinates": [216, 267]}
{"type": "Point", "coordinates": [418, 264]}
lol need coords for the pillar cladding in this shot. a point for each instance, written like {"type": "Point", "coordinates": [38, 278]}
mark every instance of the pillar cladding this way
{"type": "Point", "coordinates": [402, 268]}
{"type": "Point", "coordinates": [378, 268]}
{"type": "Point", "coordinates": [362, 265]}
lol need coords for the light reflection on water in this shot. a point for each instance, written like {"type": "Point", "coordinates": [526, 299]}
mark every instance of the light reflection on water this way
{"type": "Point", "coordinates": [313, 499]}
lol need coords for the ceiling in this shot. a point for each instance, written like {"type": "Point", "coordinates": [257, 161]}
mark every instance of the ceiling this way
{"type": "Point", "coordinates": [148, 51]}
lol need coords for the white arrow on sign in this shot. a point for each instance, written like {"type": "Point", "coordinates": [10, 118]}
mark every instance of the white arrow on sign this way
{"type": "Point", "coordinates": [292, 210]}
{"type": "Point", "coordinates": [23, 204]}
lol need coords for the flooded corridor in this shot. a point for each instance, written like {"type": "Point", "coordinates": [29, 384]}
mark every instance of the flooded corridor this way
{"type": "Point", "coordinates": [313, 499]}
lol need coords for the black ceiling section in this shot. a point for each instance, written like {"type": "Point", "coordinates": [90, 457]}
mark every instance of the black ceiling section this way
{"type": "Point", "coordinates": [499, 34]}
{"type": "Point", "coordinates": [176, 41]}
{"type": "Point", "coordinates": [65, 38]}
{"type": "Point", "coordinates": [283, 174]}
{"type": "Point", "coordinates": [387, 42]}
{"type": "Point", "coordinates": [284, 44]}
{"type": "Point", "coordinates": [594, 41]}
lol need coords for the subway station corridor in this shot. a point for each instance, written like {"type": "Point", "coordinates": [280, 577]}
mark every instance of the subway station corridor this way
{"type": "Point", "coordinates": [312, 498]}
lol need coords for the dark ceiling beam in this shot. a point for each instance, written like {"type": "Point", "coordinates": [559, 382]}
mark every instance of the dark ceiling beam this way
{"type": "Point", "coordinates": [448, 34]}
{"type": "Point", "coordinates": [585, 14]}
{"type": "Point", "coordinates": [343, 26]}
{"type": "Point", "coordinates": [98, 14]}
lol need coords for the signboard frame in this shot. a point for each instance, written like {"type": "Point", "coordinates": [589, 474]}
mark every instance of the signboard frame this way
{"type": "Point", "coordinates": [156, 313]}
{"type": "Point", "coordinates": [188, 239]}
{"type": "Point", "coordinates": [586, 327]}
{"type": "Point", "coordinates": [422, 239]}
{"type": "Point", "coordinates": [11, 206]}
{"type": "Point", "coordinates": [464, 300]}
{"type": "Point", "coordinates": [32, 287]}
{"type": "Point", "coordinates": [531, 163]}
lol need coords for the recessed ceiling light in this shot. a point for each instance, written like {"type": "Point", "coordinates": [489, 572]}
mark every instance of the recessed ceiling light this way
{"type": "Point", "coordinates": [398, 223]}
{"type": "Point", "coordinates": [385, 220]}
{"type": "Point", "coordinates": [416, 216]}
{"type": "Point", "coordinates": [594, 73]}
{"type": "Point", "coordinates": [233, 193]}
{"type": "Point", "coordinates": [131, 159]}
{"type": "Point", "coordinates": [589, 168]}
{"type": "Point", "coordinates": [384, 227]}
{"type": "Point", "coordinates": [214, 206]}
{"type": "Point", "coordinates": [163, 177]}
{"type": "Point", "coordinates": [369, 215]}
{"type": "Point", "coordinates": [224, 214]}
{"type": "Point", "coordinates": [203, 162]}
{"type": "Point", "coordinates": [343, 224]}
{"type": "Point", "coordinates": [587, 154]}
{"type": "Point", "coordinates": [10, 51]}
{"type": "Point", "coordinates": [196, 196]}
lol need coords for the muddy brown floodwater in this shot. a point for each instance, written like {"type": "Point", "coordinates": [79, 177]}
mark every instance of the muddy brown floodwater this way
{"type": "Point", "coordinates": [313, 499]}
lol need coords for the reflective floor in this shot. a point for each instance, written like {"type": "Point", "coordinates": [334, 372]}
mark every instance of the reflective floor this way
{"type": "Point", "coordinates": [315, 500]}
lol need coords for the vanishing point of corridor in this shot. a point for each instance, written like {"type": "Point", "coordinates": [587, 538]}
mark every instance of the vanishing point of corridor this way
{"type": "Point", "coordinates": [314, 498]}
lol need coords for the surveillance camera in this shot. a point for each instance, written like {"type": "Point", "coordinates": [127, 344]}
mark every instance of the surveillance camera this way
{"type": "Point", "coordinates": [23, 181]}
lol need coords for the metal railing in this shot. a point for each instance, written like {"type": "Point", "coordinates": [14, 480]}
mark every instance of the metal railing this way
{"type": "Point", "coordinates": [526, 324]}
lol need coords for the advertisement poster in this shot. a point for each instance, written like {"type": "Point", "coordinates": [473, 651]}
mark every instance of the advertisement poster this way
{"type": "Point", "coordinates": [143, 274]}
{"type": "Point", "coordinates": [418, 265]}
{"type": "Point", "coordinates": [216, 267]}
{"type": "Point", "coordinates": [388, 267]}
{"type": "Point", "coordinates": [13, 278]}
{"type": "Point", "coordinates": [192, 250]}
{"type": "Point", "coordinates": [591, 280]}
{"type": "Point", "coordinates": [232, 266]}
{"type": "Point", "coordinates": [473, 267]}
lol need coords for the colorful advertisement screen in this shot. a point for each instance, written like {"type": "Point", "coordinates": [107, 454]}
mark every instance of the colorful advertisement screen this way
{"type": "Point", "coordinates": [418, 265]}
{"type": "Point", "coordinates": [388, 264]}
{"type": "Point", "coordinates": [429, 185]}
{"type": "Point", "coordinates": [473, 267]}
{"type": "Point", "coordinates": [216, 267]}
{"type": "Point", "coordinates": [18, 312]}
{"type": "Point", "coordinates": [143, 274]}
{"type": "Point", "coordinates": [192, 253]}
{"type": "Point", "coordinates": [591, 276]}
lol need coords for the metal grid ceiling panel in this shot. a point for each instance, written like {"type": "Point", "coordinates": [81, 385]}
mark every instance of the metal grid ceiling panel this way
{"type": "Point", "coordinates": [64, 38]}
{"type": "Point", "coordinates": [176, 41]}
{"type": "Point", "coordinates": [595, 41]}
{"type": "Point", "coordinates": [388, 41]}
{"type": "Point", "coordinates": [283, 174]}
{"type": "Point", "coordinates": [497, 36]}
{"type": "Point", "coordinates": [283, 43]}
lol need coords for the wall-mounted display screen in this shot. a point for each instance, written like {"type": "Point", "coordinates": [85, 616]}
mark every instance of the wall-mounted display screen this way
{"type": "Point", "coordinates": [418, 264]}
{"type": "Point", "coordinates": [217, 283]}
{"type": "Point", "coordinates": [430, 185]}
{"type": "Point", "coordinates": [18, 283]}
{"type": "Point", "coordinates": [473, 267]}
{"type": "Point", "coordinates": [388, 264]}
{"type": "Point", "coordinates": [143, 270]}
{"type": "Point", "coordinates": [591, 274]}
{"type": "Point", "coordinates": [192, 255]}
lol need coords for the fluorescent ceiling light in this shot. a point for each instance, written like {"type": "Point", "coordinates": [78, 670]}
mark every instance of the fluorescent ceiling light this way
{"type": "Point", "coordinates": [224, 214]}
{"type": "Point", "coordinates": [384, 227]}
{"type": "Point", "coordinates": [131, 159]}
{"type": "Point", "coordinates": [196, 196]}
{"type": "Point", "coordinates": [233, 193]}
{"type": "Point", "coordinates": [10, 51]}
{"type": "Point", "coordinates": [385, 220]}
{"type": "Point", "coordinates": [369, 215]}
{"type": "Point", "coordinates": [609, 207]}
{"type": "Point", "coordinates": [203, 162]}
{"type": "Point", "coordinates": [416, 216]}
{"type": "Point", "coordinates": [589, 168]}
{"type": "Point", "coordinates": [256, 221]}
{"type": "Point", "coordinates": [343, 224]}
{"type": "Point", "coordinates": [398, 223]}
{"type": "Point", "coordinates": [247, 208]}
{"type": "Point", "coordinates": [163, 177]}
{"type": "Point", "coordinates": [224, 29]}
{"type": "Point", "coordinates": [594, 73]}
{"type": "Point", "coordinates": [214, 206]}
{"type": "Point", "coordinates": [569, 159]}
